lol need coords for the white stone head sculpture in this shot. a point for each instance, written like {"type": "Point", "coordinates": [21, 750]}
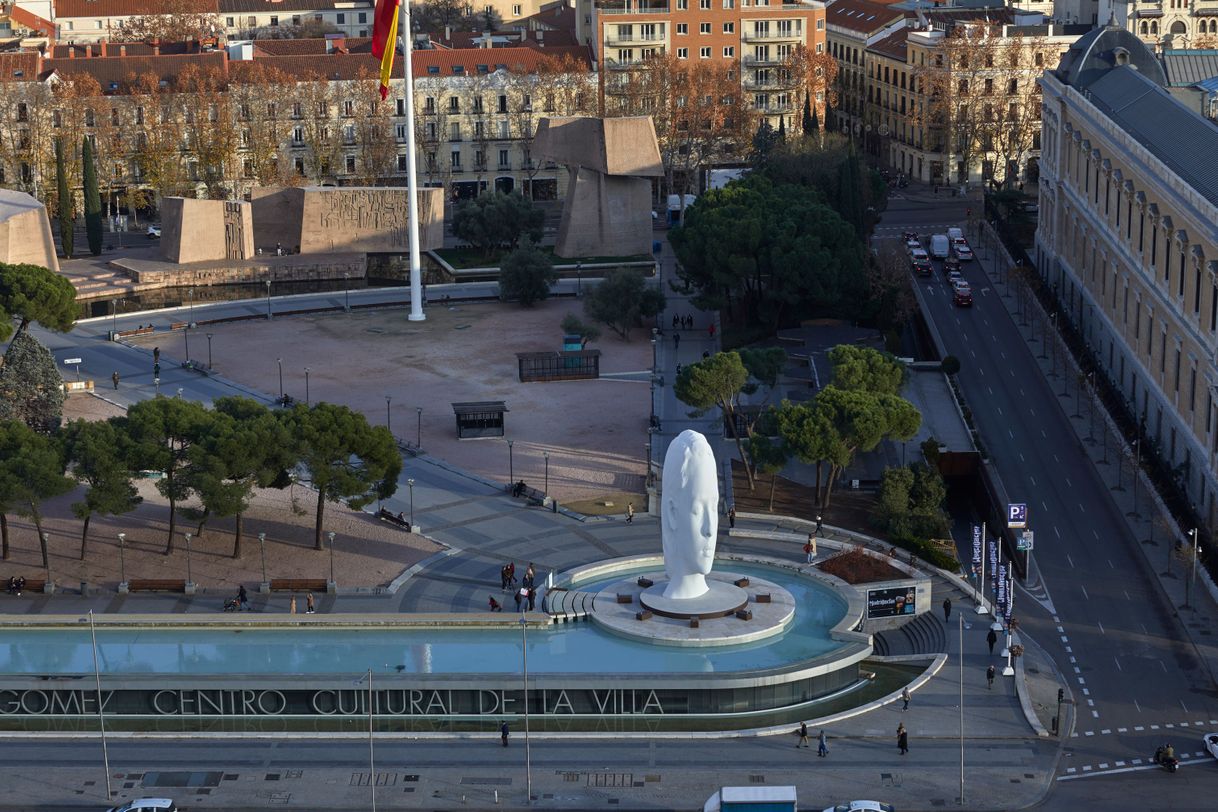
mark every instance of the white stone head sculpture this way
{"type": "Point", "coordinates": [690, 521]}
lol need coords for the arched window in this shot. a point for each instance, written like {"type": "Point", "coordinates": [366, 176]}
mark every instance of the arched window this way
{"type": "Point", "coordinates": [1145, 28]}
{"type": "Point", "coordinates": [1178, 28]}
{"type": "Point", "coordinates": [1154, 28]}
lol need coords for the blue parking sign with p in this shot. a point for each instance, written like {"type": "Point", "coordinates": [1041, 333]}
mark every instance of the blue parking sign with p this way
{"type": "Point", "coordinates": [1017, 516]}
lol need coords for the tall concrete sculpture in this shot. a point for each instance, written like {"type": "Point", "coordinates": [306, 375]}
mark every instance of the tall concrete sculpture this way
{"type": "Point", "coordinates": [25, 231]}
{"type": "Point", "coordinates": [689, 515]}
{"type": "Point", "coordinates": [206, 230]}
{"type": "Point", "coordinates": [607, 211]}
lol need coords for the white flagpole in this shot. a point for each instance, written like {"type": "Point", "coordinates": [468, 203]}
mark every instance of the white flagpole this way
{"type": "Point", "coordinates": [406, 40]}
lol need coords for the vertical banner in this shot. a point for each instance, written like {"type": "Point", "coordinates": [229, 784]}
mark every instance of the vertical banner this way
{"type": "Point", "coordinates": [976, 550]}
{"type": "Point", "coordinates": [993, 564]}
{"type": "Point", "coordinates": [1002, 588]}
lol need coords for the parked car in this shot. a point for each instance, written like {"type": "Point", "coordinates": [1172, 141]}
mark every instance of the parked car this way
{"type": "Point", "coordinates": [963, 296]}
{"type": "Point", "coordinates": [147, 805]}
{"type": "Point", "coordinates": [1211, 743]}
{"type": "Point", "coordinates": [862, 806]}
{"type": "Point", "coordinates": [154, 232]}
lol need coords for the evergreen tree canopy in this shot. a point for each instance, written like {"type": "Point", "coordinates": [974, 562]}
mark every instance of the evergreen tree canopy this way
{"type": "Point", "coordinates": [622, 300]}
{"type": "Point", "coordinates": [64, 203]}
{"type": "Point", "coordinates": [93, 209]}
{"type": "Point", "coordinates": [31, 387]}
{"type": "Point", "coordinates": [32, 293]}
{"type": "Point", "coordinates": [525, 275]}
{"type": "Point", "coordinates": [497, 220]}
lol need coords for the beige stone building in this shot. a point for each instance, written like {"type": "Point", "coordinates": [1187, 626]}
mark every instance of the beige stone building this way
{"type": "Point", "coordinates": [1128, 242]}
{"type": "Point", "coordinates": [1166, 23]}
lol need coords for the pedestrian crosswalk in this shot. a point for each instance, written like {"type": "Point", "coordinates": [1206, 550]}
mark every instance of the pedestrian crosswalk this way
{"type": "Point", "coordinates": [1114, 767]}
{"type": "Point", "coordinates": [1200, 723]}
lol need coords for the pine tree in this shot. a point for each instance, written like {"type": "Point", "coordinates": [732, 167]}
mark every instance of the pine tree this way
{"type": "Point", "coordinates": [31, 387]}
{"type": "Point", "coordinates": [64, 202]}
{"type": "Point", "coordinates": [809, 123]}
{"type": "Point", "coordinates": [828, 116]}
{"type": "Point", "coordinates": [782, 129]}
{"type": "Point", "coordinates": [93, 211]}
{"type": "Point", "coordinates": [815, 124]}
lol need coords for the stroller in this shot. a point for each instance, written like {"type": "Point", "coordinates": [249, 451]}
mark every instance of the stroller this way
{"type": "Point", "coordinates": [232, 605]}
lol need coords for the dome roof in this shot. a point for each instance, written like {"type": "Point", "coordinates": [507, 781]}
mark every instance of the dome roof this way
{"type": "Point", "coordinates": [1098, 51]}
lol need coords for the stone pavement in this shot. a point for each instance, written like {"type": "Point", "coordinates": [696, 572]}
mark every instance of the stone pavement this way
{"type": "Point", "coordinates": [481, 527]}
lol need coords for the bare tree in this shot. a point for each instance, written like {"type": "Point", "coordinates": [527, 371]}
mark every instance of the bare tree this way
{"type": "Point", "coordinates": [211, 129]}
{"type": "Point", "coordinates": [378, 149]}
{"type": "Point", "coordinates": [316, 98]}
{"type": "Point", "coordinates": [431, 123]}
{"type": "Point", "coordinates": [178, 21]}
{"type": "Point", "coordinates": [159, 133]}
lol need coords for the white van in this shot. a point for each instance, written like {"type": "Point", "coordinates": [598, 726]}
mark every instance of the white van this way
{"type": "Point", "coordinates": [939, 246]}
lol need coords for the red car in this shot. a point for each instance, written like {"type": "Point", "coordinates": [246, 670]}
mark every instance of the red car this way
{"type": "Point", "coordinates": [963, 297]}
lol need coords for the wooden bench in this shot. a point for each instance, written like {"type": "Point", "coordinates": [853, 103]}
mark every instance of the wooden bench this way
{"type": "Point", "coordinates": [646, 583]}
{"type": "Point", "coordinates": [624, 598]}
{"type": "Point", "coordinates": [179, 325]}
{"type": "Point", "coordinates": [643, 615]}
{"type": "Point", "coordinates": [744, 614]}
{"type": "Point", "coordinates": [156, 585]}
{"type": "Point", "coordinates": [298, 584]}
{"type": "Point", "coordinates": [772, 535]}
{"type": "Point", "coordinates": [763, 597]}
{"type": "Point", "coordinates": [139, 331]}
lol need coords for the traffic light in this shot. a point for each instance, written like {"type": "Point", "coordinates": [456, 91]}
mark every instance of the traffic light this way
{"type": "Point", "coordinates": [1061, 695]}
{"type": "Point", "coordinates": [156, 370]}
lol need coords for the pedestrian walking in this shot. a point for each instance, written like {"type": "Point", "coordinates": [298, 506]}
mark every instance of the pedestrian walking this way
{"type": "Point", "coordinates": [731, 516]}
{"type": "Point", "coordinates": [819, 523]}
{"type": "Point", "coordinates": [518, 595]}
{"type": "Point", "coordinates": [803, 735]}
{"type": "Point", "coordinates": [711, 330]}
{"type": "Point", "coordinates": [310, 607]}
{"type": "Point", "coordinates": [114, 378]}
{"type": "Point", "coordinates": [156, 355]}
{"type": "Point", "coordinates": [532, 595]}
{"type": "Point", "coordinates": [989, 676]}
{"type": "Point", "coordinates": [292, 606]}
{"type": "Point", "coordinates": [947, 609]}
{"type": "Point", "coordinates": [511, 573]}
{"type": "Point", "coordinates": [991, 638]}
{"type": "Point", "coordinates": [675, 321]}
{"type": "Point", "coordinates": [530, 576]}
{"type": "Point", "coordinates": [494, 604]}
{"type": "Point", "coordinates": [503, 733]}
{"type": "Point", "coordinates": [905, 697]}
{"type": "Point", "coordinates": [810, 548]}
{"type": "Point", "coordinates": [243, 599]}
{"type": "Point", "coordinates": [503, 578]}
{"type": "Point", "coordinates": [676, 341]}
{"type": "Point", "coordinates": [630, 513]}
{"type": "Point", "coordinates": [822, 745]}
{"type": "Point", "coordinates": [902, 739]}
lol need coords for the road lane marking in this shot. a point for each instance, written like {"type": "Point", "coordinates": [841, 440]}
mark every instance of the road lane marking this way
{"type": "Point", "coordinates": [1071, 560]}
{"type": "Point", "coordinates": [1033, 480]}
{"type": "Point", "coordinates": [1095, 533]}
{"type": "Point", "coordinates": [1021, 459]}
{"type": "Point", "coordinates": [1042, 434]}
{"type": "Point", "coordinates": [1030, 411]}
{"type": "Point", "coordinates": [1101, 625]}
{"type": "Point", "coordinates": [1161, 665]}
{"type": "Point", "coordinates": [999, 408]}
{"type": "Point", "coordinates": [1117, 660]}
{"type": "Point", "coordinates": [1058, 532]}
{"type": "Point", "coordinates": [1085, 595]}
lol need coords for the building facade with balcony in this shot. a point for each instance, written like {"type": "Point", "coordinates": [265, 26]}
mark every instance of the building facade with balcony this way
{"type": "Point", "coordinates": [853, 26]}
{"type": "Point", "coordinates": [761, 36]}
{"type": "Point", "coordinates": [1166, 23]}
{"type": "Point", "coordinates": [1128, 243]}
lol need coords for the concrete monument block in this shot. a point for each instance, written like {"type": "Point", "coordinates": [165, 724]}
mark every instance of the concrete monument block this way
{"type": "Point", "coordinates": [206, 230]}
{"type": "Point", "coordinates": [327, 220]}
{"type": "Point", "coordinates": [25, 231]}
{"type": "Point", "coordinates": [608, 206]}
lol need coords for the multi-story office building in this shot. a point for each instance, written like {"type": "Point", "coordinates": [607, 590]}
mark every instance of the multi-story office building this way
{"type": "Point", "coordinates": [1128, 241]}
{"type": "Point", "coordinates": [759, 35]}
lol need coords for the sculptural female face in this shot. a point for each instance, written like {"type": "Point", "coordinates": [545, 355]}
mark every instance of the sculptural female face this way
{"type": "Point", "coordinates": [691, 515]}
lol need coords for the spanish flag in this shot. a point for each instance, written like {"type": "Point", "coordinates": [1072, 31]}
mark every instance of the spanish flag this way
{"type": "Point", "coordinates": [384, 39]}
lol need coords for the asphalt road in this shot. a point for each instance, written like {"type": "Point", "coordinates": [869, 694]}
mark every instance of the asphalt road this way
{"type": "Point", "coordinates": [1092, 600]}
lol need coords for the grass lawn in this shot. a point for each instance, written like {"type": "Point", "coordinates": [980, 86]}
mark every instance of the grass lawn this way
{"type": "Point", "coordinates": [475, 258]}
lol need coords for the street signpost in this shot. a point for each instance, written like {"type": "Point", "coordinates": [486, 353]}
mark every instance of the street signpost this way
{"type": "Point", "coordinates": [1017, 516]}
{"type": "Point", "coordinates": [1025, 542]}
{"type": "Point", "coordinates": [76, 362]}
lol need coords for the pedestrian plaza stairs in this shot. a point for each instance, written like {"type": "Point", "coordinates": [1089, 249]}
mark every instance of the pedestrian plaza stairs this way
{"type": "Point", "coordinates": [927, 633]}
{"type": "Point", "coordinates": [568, 605]}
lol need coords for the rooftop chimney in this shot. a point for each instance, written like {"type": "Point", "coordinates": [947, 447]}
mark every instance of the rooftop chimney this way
{"type": "Point", "coordinates": [103, 48]}
{"type": "Point", "coordinates": [71, 52]}
{"type": "Point", "coordinates": [486, 39]}
{"type": "Point", "coordinates": [88, 51]}
{"type": "Point", "coordinates": [122, 50]}
{"type": "Point", "coordinates": [448, 32]}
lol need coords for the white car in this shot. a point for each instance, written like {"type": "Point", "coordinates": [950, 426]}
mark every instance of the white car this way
{"type": "Point", "coordinates": [955, 279]}
{"type": "Point", "coordinates": [1211, 743]}
{"type": "Point", "coordinates": [147, 805]}
{"type": "Point", "coordinates": [862, 806]}
{"type": "Point", "coordinates": [962, 251]}
{"type": "Point", "coordinates": [154, 232]}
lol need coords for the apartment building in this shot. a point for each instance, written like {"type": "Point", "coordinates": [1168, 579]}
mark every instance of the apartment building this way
{"type": "Point", "coordinates": [951, 97]}
{"type": "Point", "coordinates": [853, 26]}
{"type": "Point", "coordinates": [1166, 23]}
{"type": "Point", "coordinates": [1128, 241]}
{"type": "Point", "coordinates": [759, 35]}
{"type": "Point", "coordinates": [285, 111]}
{"type": "Point", "coordinates": [83, 21]}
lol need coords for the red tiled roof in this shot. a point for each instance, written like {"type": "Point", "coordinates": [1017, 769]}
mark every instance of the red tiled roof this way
{"type": "Point", "coordinates": [111, 72]}
{"type": "Point", "coordinates": [863, 16]}
{"type": "Point", "coordinates": [337, 67]}
{"type": "Point", "coordinates": [19, 66]}
{"type": "Point", "coordinates": [893, 46]}
{"type": "Point", "coordinates": [127, 8]}
{"type": "Point", "coordinates": [30, 20]}
{"type": "Point", "coordinates": [469, 60]}
{"type": "Point", "coordinates": [113, 49]}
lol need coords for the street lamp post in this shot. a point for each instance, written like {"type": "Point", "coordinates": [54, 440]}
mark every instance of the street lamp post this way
{"type": "Point", "coordinates": [388, 424]}
{"type": "Point", "coordinates": [1137, 468]}
{"type": "Point", "coordinates": [331, 535]}
{"type": "Point", "coordinates": [122, 560]}
{"type": "Point", "coordinates": [1192, 578]}
{"type": "Point", "coordinates": [262, 549]}
{"type": "Point", "coordinates": [410, 484]}
{"type": "Point", "coordinates": [113, 334]}
{"type": "Point", "coordinates": [579, 279]}
{"type": "Point", "coordinates": [268, 299]}
{"type": "Point", "coordinates": [524, 661]}
{"type": "Point", "coordinates": [546, 454]}
{"type": "Point", "coordinates": [46, 540]}
{"type": "Point", "coordinates": [209, 350]}
{"type": "Point", "coordinates": [346, 291]}
{"type": "Point", "coordinates": [511, 467]}
{"type": "Point", "coordinates": [189, 579]}
{"type": "Point", "coordinates": [306, 386]}
{"type": "Point", "coordinates": [186, 337]}
{"type": "Point", "coordinates": [418, 427]}
{"type": "Point", "coordinates": [279, 361]}
{"type": "Point", "coordinates": [101, 714]}
{"type": "Point", "coordinates": [190, 319]}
